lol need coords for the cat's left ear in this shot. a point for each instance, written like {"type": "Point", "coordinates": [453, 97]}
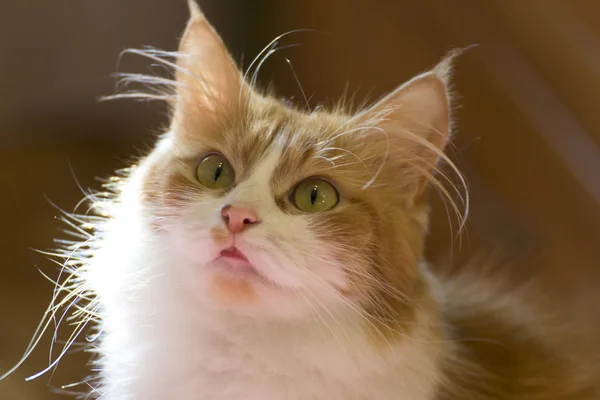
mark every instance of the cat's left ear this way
{"type": "Point", "coordinates": [209, 82]}
{"type": "Point", "coordinates": [416, 120]}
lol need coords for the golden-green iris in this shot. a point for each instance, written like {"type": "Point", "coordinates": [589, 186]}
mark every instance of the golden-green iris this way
{"type": "Point", "coordinates": [215, 172]}
{"type": "Point", "coordinates": [314, 195]}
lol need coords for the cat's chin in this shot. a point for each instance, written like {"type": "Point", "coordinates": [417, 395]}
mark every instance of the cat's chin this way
{"type": "Point", "coordinates": [235, 283]}
{"type": "Point", "coordinates": [232, 277]}
{"type": "Point", "coordinates": [229, 269]}
{"type": "Point", "coordinates": [231, 286]}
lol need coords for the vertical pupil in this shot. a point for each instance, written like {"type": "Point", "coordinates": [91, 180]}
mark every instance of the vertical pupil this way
{"type": "Point", "coordinates": [313, 194]}
{"type": "Point", "coordinates": [218, 172]}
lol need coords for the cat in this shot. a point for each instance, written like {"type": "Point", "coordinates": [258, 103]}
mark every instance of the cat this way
{"type": "Point", "coordinates": [260, 251]}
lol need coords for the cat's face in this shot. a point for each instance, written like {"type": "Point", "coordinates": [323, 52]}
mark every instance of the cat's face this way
{"type": "Point", "coordinates": [267, 209]}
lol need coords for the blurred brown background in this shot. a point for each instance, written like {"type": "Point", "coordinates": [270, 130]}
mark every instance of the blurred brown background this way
{"type": "Point", "coordinates": [528, 127]}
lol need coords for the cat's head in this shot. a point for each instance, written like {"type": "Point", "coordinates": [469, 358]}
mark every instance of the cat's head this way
{"type": "Point", "coordinates": [274, 210]}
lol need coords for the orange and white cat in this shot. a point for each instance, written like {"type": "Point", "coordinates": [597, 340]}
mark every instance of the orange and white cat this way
{"type": "Point", "coordinates": [261, 252]}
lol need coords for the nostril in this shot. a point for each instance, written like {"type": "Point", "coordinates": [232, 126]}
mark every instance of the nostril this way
{"type": "Point", "coordinates": [248, 221]}
{"type": "Point", "coordinates": [225, 213]}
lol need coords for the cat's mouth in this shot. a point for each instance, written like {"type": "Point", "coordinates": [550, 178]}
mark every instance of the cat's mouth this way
{"type": "Point", "coordinates": [233, 253]}
{"type": "Point", "coordinates": [234, 264]}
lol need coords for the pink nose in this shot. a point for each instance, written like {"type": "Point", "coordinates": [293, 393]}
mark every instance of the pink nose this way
{"type": "Point", "coordinates": [238, 218]}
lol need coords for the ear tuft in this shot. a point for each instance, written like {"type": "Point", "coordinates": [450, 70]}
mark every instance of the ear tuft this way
{"type": "Point", "coordinates": [443, 70]}
{"type": "Point", "coordinates": [195, 12]}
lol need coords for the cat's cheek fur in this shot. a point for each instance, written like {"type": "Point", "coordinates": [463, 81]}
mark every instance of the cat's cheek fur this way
{"type": "Point", "coordinates": [199, 234]}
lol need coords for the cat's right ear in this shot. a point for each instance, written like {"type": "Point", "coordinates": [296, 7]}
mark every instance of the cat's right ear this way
{"type": "Point", "coordinates": [208, 81]}
{"type": "Point", "coordinates": [416, 121]}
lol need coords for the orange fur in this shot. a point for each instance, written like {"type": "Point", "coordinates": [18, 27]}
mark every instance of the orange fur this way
{"type": "Point", "coordinates": [231, 292]}
{"type": "Point", "coordinates": [219, 234]}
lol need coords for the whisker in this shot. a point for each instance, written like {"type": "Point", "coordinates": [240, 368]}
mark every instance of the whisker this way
{"type": "Point", "coordinates": [298, 82]}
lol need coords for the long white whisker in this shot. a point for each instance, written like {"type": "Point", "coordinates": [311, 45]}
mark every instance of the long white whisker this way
{"type": "Point", "coordinates": [299, 85]}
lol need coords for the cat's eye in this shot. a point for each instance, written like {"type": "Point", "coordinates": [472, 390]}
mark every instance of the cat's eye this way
{"type": "Point", "coordinates": [215, 172]}
{"type": "Point", "coordinates": [315, 195]}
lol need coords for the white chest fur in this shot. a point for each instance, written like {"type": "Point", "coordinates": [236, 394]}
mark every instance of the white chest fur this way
{"type": "Point", "coordinates": [181, 360]}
